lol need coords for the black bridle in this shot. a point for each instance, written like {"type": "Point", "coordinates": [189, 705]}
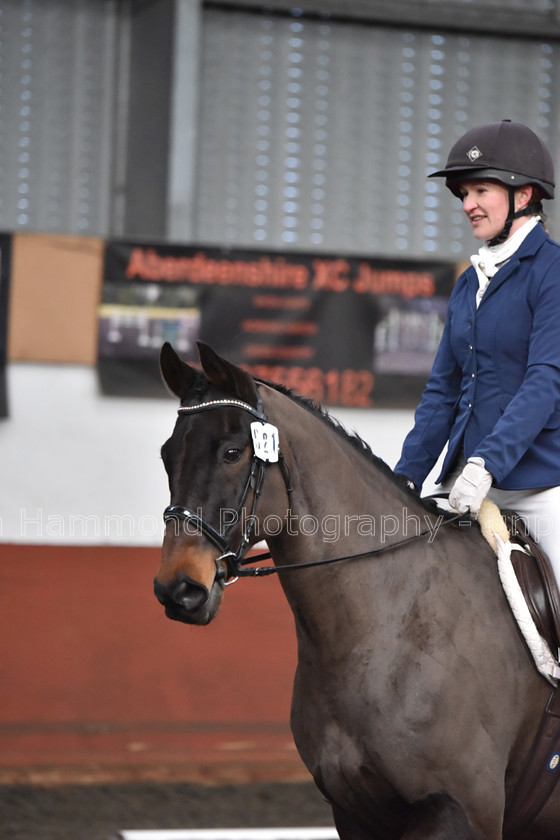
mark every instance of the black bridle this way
{"type": "Point", "coordinates": [235, 561]}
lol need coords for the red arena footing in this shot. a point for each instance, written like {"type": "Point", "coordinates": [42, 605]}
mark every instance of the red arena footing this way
{"type": "Point", "coordinates": [97, 684]}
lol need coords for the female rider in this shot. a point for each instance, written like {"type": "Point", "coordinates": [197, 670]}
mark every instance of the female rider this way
{"type": "Point", "coordinates": [493, 395]}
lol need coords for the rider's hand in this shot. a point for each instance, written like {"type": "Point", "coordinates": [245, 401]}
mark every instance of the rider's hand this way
{"type": "Point", "coordinates": [470, 489]}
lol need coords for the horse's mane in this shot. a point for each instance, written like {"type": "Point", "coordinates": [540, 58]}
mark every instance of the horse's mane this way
{"type": "Point", "coordinates": [317, 409]}
{"type": "Point", "coordinates": [357, 442]}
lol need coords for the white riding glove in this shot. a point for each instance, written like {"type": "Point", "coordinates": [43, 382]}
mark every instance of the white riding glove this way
{"type": "Point", "coordinates": [470, 489]}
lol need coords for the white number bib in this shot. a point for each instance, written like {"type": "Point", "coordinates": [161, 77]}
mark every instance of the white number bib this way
{"type": "Point", "coordinates": [265, 441]}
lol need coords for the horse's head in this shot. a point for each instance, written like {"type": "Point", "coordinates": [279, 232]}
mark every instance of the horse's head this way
{"type": "Point", "coordinates": [215, 479]}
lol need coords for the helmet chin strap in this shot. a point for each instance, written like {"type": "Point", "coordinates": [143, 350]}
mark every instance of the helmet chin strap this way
{"type": "Point", "coordinates": [512, 215]}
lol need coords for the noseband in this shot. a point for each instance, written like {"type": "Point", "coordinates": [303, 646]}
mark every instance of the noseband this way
{"type": "Point", "coordinates": [174, 513]}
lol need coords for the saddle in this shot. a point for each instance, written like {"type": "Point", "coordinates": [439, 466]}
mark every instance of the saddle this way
{"type": "Point", "coordinates": [536, 579]}
{"type": "Point", "coordinates": [542, 770]}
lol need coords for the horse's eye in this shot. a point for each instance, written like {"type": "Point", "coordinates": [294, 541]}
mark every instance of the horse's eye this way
{"type": "Point", "coordinates": [233, 455]}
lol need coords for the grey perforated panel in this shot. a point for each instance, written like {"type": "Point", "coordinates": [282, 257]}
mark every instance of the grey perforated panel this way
{"type": "Point", "coordinates": [319, 135]}
{"type": "Point", "coordinates": [56, 99]}
{"type": "Point", "coordinates": [312, 135]}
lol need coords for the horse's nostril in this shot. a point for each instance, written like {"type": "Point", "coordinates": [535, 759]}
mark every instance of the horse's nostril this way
{"type": "Point", "coordinates": [180, 591]}
{"type": "Point", "coordinates": [183, 592]}
{"type": "Point", "coordinates": [191, 595]}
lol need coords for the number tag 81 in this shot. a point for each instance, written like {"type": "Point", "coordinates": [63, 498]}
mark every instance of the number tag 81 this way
{"type": "Point", "coordinates": [265, 441]}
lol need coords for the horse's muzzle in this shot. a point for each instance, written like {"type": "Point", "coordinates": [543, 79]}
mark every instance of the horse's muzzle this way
{"type": "Point", "coordinates": [186, 600]}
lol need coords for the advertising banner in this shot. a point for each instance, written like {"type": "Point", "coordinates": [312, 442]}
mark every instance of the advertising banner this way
{"type": "Point", "coordinates": [346, 331]}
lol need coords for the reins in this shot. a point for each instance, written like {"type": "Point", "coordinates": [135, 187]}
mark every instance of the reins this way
{"type": "Point", "coordinates": [235, 561]}
{"type": "Point", "coordinates": [262, 571]}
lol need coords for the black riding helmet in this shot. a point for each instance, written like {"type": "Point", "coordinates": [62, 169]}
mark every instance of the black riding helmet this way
{"type": "Point", "coordinates": [503, 151]}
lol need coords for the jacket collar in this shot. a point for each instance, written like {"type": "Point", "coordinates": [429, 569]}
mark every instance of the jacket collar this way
{"type": "Point", "coordinates": [528, 248]}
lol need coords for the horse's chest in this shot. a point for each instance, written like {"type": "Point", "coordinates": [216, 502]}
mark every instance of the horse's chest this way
{"type": "Point", "coordinates": [350, 777]}
{"type": "Point", "coordinates": [333, 733]}
{"type": "Point", "coordinates": [338, 754]}
{"type": "Point", "coordinates": [352, 736]}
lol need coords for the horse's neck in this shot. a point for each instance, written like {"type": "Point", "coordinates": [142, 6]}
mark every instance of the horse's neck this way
{"type": "Point", "coordinates": [334, 477]}
{"type": "Point", "coordinates": [343, 503]}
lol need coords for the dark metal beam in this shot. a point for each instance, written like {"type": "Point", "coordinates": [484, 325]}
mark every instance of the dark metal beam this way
{"type": "Point", "coordinates": [477, 17]}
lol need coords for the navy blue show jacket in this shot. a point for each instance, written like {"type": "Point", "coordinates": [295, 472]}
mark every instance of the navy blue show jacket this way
{"type": "Point", "coordinates": [494, 388]}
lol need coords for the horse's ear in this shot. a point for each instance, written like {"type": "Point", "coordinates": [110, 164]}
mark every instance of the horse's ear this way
{"type": "Point", "coordinates": [179, 377]}
{"type": "Point", "coordinates": [229, 377]}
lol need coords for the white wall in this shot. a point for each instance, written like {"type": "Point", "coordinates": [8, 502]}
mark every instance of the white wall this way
{"type": "Point", "coordinates": [81, 468]}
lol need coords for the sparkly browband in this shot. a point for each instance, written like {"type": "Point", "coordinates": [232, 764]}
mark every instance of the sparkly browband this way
{"type": "Point", "coordinates": [256, 412]}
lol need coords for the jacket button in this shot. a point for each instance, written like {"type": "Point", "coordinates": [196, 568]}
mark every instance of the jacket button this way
{"type": "Point", "coordinates": [470, 348]}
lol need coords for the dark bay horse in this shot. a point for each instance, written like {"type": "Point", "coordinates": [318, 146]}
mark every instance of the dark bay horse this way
{"type": "Point", "coordinates": [415, 701]}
